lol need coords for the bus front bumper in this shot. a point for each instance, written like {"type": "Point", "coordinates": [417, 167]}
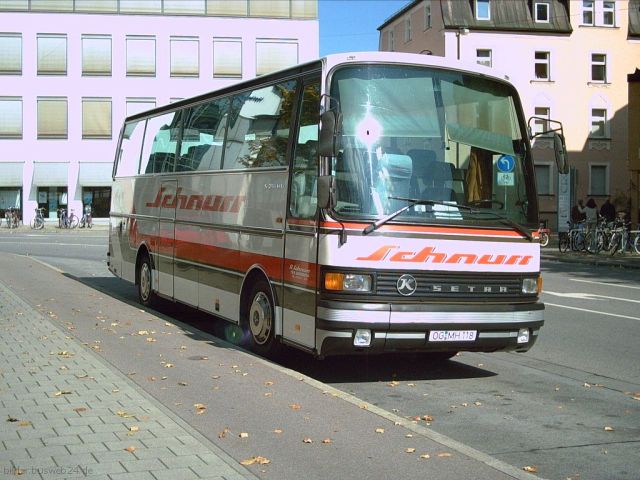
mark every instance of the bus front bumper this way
{"type": "Point", "coordinates": [427, 328]}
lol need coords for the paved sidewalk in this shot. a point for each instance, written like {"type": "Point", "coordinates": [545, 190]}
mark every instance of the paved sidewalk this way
{"type": "Point", "coordinates": [66, 414]}
{"type": "Point", "coordinates": [551, 253]}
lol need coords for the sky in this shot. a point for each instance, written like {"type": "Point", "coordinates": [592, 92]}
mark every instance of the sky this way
{"type": "Point", "coordinates": [352, 25]}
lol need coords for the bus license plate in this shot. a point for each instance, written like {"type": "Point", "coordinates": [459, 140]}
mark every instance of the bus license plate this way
{"type": "Point", "coordinates": [452, 335]}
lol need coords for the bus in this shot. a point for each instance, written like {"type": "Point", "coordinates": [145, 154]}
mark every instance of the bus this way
{"type": "Point", "coordinates": [361, 203]}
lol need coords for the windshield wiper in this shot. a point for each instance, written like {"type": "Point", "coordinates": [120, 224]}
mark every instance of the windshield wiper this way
{"type": "Point", "coordinates": [412, 202]}
{"type": "Point", "coordinates": [418, 201]}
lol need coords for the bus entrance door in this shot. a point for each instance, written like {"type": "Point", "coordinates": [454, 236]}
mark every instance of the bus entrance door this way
{"type": "Point", "coordinates": [166, 237]}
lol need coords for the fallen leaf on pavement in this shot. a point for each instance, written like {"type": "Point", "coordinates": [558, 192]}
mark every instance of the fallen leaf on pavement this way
{"type": "Point", "coordinates": [295, 406]}
{"type": "Point", "coordinates": [200, 408]}
{"type": "Point", "coordinates": [444, 454]}
{"type": "Point", "coordinates": [80, 409]}
{"type": "Point", "coordinates": [24, 423]}
{"type": "Point", "coordinates": [259, 460]}
{"type": "Point", "coordinates": [123, 414]}
{"type": "Point", "coordinates": [307, 440]}
{"type": "Point", "coordinates": [243, 435]}
{"type": "Point", "coordinates": [608, 429]}
{"type": "Point", "coordinates": [410, 450]}
{"type": "Point", "coordinates": [327, 441]}
{"type": "Point", "coordinates": [426, 456]}
{"type": "Point", "coordinates": [277, 430]}
{"type": "Point", "coordinates": [130, 449]}
{"type": "Point", "coordinates": [223, 433]}
{"type": "Point", "coordinates": [530, 469]}
{"type": "Point", "coordinates": [379, 430]}
{"type": "Point", "coordinates": [62, 392]}
{"type": "Point", "coordinates": [134, 428]}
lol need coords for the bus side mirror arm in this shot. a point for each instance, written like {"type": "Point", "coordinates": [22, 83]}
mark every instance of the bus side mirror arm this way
{"type": "Point", "coordinates": [554, 128]}
{"type": "Point", "coordinates": [326, 191]}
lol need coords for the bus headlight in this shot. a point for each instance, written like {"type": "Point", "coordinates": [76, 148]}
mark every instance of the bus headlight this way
{"type": "Point", "coordinates": [531, 286]}
{"type": "Point", "coordinates": [347, 282]}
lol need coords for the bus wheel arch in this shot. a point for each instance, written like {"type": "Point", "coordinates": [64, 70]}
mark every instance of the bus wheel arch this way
{"type": "Point", "coordinates": [144, 278]}
{"type": "Point", "coordinates": [258, 314]}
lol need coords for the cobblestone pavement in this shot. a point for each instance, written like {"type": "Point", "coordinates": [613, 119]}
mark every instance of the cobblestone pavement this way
{"type": "Point", "coordinates": [64, 413]}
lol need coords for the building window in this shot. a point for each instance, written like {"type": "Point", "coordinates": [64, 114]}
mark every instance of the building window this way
{"type": "Point", "coordinates": [15, 5]}
{"type": "Point", "coordinates": [96, 118]}
{"type": "Point", "coordinates": [52, 5]}
{"type": "Point", "coordinates": [180, 7]}
{"type": "Point", "coordinates": [541, 120]}
{"type": "Point", "coordinates": [227, 8]}
{"type": "Point", "coordinates": [598, 179]}
{"type": "Point", "coordinates": [227, 57]}
{"type": "Point", "coordinates": [10, 117]}
{"type": "Point", "coordinates": [483, 10]}
{"type": "Point", "coordinates": [587, 12]}
{"type": "Point", "coordinates": [141, 56]}
{"type": "Point", "coordinates": [304, 9]}
{"type": "Point", "coordinates": [140, 6]}
{"type": "Point", "coordinates": [96, 6]}
{"type": "Point", "coordinates": [137, 105]}
{"type": "Point", "coordinates": [391, 42]}
{"type": "Point", "coordinates": [609, 14]}
{"type": "Point", "coordinates": [483, 57]}
{"type": "Point", "coordinates": [185, 57]}
{"type": "Point", "coordinates": [52, 54]}
{"type": "Point", "coordinates": [100, 200]}
{"type": "Point", "coordinates": [544, 178]}
{"type": "Point", "coordinates": [427, 16]}
{"type": "Point", "coordinates": [407, 29]}
{"type": "Point", "coordinates": [52, 117]}
{"type": "Point", "coordinates": [275, 55]}
{"type": "Point", "coordinates": [96, 55]}
{"type": "Point", "coordinates": [542, 65]}
{"type": "Point", "coordinates": [10, 54]}
{"type": "Point", "coordinates": [599, 123]}
{"type": "Point", "coordinates": [272, 8]}
{"type": "Point", "coordinates": [598, 67]}
{"type": "Point", "coordinates": [542, 12]}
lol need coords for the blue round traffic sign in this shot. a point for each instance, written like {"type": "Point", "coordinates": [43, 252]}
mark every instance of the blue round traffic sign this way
{"type": "Point", "coordinates": [506, 163]}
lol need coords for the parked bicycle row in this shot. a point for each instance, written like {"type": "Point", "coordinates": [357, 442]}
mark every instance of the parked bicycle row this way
{"type": "Point", "coordinates": [614, 237]}
{"type": "Point", "coordinates": [65, 219]}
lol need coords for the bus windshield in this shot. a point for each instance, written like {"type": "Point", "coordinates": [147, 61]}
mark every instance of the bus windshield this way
{"type": "Point", "coordinates": [421, 133]}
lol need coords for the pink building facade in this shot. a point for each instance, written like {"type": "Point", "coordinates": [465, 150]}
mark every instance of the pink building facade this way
{"type": "Point", "coordinates": [71, 72]}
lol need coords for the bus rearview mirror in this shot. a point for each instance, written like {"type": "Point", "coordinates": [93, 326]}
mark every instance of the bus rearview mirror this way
{"type": "Point", "coordinates": [560, 150]}
{"type": "Point", "coordinates": [330, 133]}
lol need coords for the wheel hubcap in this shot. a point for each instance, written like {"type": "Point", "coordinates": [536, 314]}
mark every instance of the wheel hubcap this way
{"type": "Point", "coordinates": [260, 318]}
{"type": "Point", "coordinates": [145, 281]}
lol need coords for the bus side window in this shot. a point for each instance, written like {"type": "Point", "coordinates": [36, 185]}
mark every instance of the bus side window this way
{"type": "Point", "coordinates": [160, 143]}
{"type": "Point", "coordinates": [304, 200]}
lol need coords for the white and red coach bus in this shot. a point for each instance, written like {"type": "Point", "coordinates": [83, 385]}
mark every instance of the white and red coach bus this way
{"type": "Point", "coordinates": [361, 203]}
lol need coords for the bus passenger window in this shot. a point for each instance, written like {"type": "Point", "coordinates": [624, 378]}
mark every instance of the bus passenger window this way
{"type": "Point", "coordinates": [203, 136]}
{"type": "Point", "coordinates": [304, 200]}
{"type": "Point", "coordinates": [259, 126]}
{"type": "Point", "coordinates": [160, 143]}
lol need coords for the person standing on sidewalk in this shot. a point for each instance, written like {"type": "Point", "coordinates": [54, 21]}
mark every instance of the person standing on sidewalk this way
{"type": "Point", "coordinates": [608, 211]}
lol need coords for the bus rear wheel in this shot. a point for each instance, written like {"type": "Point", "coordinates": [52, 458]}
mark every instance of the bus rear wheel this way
{"type": "Point", "coordinates": [146, 294]}
{"type": "Point", "coordinates": [259, 324]}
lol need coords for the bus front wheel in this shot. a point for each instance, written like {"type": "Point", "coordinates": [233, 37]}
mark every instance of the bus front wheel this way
{"type": "Point", "coordinates": [259, 323]}
{"type": "Point", "coordinates": [146, 294]}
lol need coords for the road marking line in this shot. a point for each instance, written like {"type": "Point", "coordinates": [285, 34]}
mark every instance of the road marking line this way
{"type": "Point", "coordinates": [589, 296]}
{"type": "Point", "coordinates": [57, 244]}
{"type": "Point", "coordinates": [593, 311]}
{"type": "Point", "coordinates": [605, 283]}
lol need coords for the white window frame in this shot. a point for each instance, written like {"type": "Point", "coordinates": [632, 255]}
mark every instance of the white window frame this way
{"type": "Point", "coordinates": [11, 119]}
{"type": "Point", "coordinates": [609, 10]}
{"type": "Point", "coordinates": [407, 29]}
{"type": "Point", "coordinates": [97, 127]}
{"type": "Point", "coordinates": [588, 8]}
{"type": "Point", "coordinates": [135, 68]}
{"type": "Point", "coordinates": [538, 18]}
{"type": "Point", "coordinates": [10, 54]}
{"type": "Point", "coordinates": [97, 55]}
{"type": "Point", "coordinates": [540, 126]}
{"type": "Point", "coordinates": [542, 61]}
{"type": "Point", "coordinates": [478, 3]}
{"type": "Point", "coordinates": [597, 119]}
{"type": "Point", "coordinates": [607, 179]}
{"type": "Point", "coordinates": [227, 64]}
{"type": "Point", "coordinates": [52, 59]}
{"type": "Point", "coordinates": [184, 65]}
{"type": "Point", "coordinates": [482, 59]}
{"type": "Point", "coordinates": [427, 15]}
{"type": "Point", "coordinates": [600, 63]}
{"type": "Point", "coordinates": [550, 179]}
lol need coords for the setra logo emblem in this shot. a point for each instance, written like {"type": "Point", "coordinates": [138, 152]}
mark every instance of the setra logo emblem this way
{"type": "Point", "coordinates": [407, 285]}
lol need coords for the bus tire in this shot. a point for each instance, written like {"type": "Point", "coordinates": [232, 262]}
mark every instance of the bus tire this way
{"type": "Point", "coordinates": [259, 324]}
{"type": "Point", "coordinates": [146, 295]}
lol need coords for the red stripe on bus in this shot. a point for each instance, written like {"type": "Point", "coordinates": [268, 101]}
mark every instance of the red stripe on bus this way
{"type": "Point", "coordinates": [425, 229]}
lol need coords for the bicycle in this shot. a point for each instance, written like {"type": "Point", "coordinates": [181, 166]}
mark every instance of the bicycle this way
{"type": "Point", "coordinates": [86, 220]}
{"type": "Point", "coordinates": [619, 237]}
{"type": "Point", "coordinates": [67, 220]}
{"type": "Point", "coordinates": [12, 217]}
{"type": "Point", "coordinates": [543, 233]}
{"type": "Point", "coordinates": [37, 223]}
{"type": "Point", "coordinates": [574, 239]}
{"type": "Point", "coordinates": [636, 240]}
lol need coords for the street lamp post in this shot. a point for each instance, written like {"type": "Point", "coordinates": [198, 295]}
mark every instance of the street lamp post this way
{"type": "Point", "coordinates": [461, 31]}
